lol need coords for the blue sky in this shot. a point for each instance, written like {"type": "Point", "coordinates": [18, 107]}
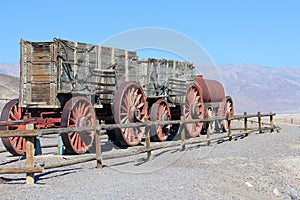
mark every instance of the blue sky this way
{"type": "Point", "coordinates": [250, 32]}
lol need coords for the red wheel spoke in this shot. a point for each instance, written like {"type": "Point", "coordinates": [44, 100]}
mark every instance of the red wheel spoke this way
{"type": "Point", "coordinates": [193, 110]}
{"type": "Point", "coordinates": [79, 143]}
{"type": "Point", "coordinates": [75, 140]}
{"type": "Point", "coordinates": [137, 132]}
{"type": "Point", "coordinates": [187, 115]}
{"type": "Point", "coordinates": [77, 106]}
{"type": "Point", "coordinates": [72, 121]}
{"type": "Point", "coordinates": [23, 143]}
{"type": "Point", "coordinates": [190, 97]}
{"type": "Point", "coordinates": [16, 113]}
{"type": "Point", "coordinates": [137, 101]}
{"type": "Point", "coordinates": [131, 134]}
{"type": "Point", "coordinates": [14, 117]}
{"type": "Point", "coordinates": [19, 143]}
{"type": "Point", "coordinates": [129, 106]}
{"type": "Point", "coordinates": [73, 137]}
{"type": "Point", "coordinates": [135, 92]}
{"type": "Point", "coordinates": [125, 132]}
{"type": "Point", "coordinates": [74, 114]}
{"type": "Point", "coordinates": [128, 98]}
{"type": "Point", "coordinates": [132, 91]}
{"type": "Point", "coordinates": [124, 109]}
{"type": "Point", "coordinates": [19, 113]}
{"type": "Point", "coordinates": [197, 99]}
{"type": "Point", "coordinates": [78, 112]}
{"type": "Point", "coordinates": [82, 106]}
{"type": "Point", "coordinates": [87, 117]}
{"type": "Point", "coordinates": [11, 112]}
{"type": "Point", "coordinates": [160, 111]}
{"type": "Point", "coordinates": [14, 140]}
{"type": "Point", "coordinates": [124, 114]}
{"type": "Point", "coordinates": [124, 120]}
{"type": "Point", "coordinates": [85, 111]}
{"type": "Point", "coordinates": [124, 102]}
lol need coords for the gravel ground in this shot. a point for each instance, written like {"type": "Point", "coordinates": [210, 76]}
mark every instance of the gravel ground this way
{"type": "Point", "coordinates": [260, 166]}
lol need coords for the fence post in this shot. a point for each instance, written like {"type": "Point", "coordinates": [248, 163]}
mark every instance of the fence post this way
{"type": "Point", "coordinates": [229, 127]}
{"type": "Point", "coordinates": [29, 155]}
{"type": "Point", "coordinates": [149, 153]}
{"type": "Point", "coordinates": [60, 147]}
{"type": "Point", "coordinates": [182, 133]}
{"type": "Point", "coordinates": [259, 122]}
{"type": "Point", "coordinates": [271, 122]}
{"type": "Point", "coordinates": [245, 123]}
{"type": "Point", "coordinates": [98, 147]}
{"type": "Point", "coordinates": [208, 130]}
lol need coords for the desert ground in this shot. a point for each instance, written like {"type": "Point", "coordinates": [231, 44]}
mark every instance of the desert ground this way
{"type": "Point", "coordinates": [259, 166]}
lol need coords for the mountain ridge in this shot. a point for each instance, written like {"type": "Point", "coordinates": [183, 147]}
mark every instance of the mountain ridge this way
{"type": "Point", "coordinates": [252, 87]}
{"type": "Point", "coordinates": [262, 88]}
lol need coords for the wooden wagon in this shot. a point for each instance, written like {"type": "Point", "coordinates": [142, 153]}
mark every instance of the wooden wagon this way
{"type": "Point", "coordinates": [74, 84]}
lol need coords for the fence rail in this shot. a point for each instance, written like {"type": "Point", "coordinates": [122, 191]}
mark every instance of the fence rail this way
{"type": "Point", "coordinates": [30, 134]}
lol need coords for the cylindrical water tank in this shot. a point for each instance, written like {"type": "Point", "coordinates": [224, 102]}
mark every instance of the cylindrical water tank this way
{"type": "Point", "coordinates": [212, 90]}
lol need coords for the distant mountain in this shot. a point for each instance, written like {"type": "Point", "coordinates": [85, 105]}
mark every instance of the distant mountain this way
{"type": "Point", "coordinates": [12, 69]}
{"type": "Point", "coordinates": [257, 88]}
{"type": "Point", "coordinates": [9, 89]}
{"type": "Point", "coordinates": [9, 82]}
{"type": "Point", "coordinates": [253, 88]}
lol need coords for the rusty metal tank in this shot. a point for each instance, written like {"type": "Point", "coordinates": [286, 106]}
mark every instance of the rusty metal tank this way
{"type": "Point", "coordinates": [212, 90]}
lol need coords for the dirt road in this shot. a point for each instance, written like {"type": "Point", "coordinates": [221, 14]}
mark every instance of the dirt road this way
{"type": "Point", "coordinates": [260, 166]}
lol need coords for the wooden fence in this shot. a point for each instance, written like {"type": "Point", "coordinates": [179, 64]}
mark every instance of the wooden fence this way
{"type": "Point", "coordinates": [30, 134]}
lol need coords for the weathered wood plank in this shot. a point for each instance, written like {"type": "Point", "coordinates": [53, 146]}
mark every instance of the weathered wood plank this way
{"type": "Point", "coordinates": [21, 170]}
{"type": "Point", "coordinates": [271, 122]}
{"type": "Point", "coordinates": [29, 155]}
{"type": "Point", "coordinates": [19, 133]}
{"type": "Point", "coordinates": [182, 133]}
{"type": "Point", "coordinates": [41, 78]}
{"type": "Point", "coordinates": [98, 149]}
{"type": "Point", "coordinates": [81, 159]}
{"type": "Point", "coordinates": [259, 122]}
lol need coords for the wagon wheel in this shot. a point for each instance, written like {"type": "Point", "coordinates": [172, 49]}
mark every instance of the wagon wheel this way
{"type": "Point", "coordinates": [193, 109]}
{"type": "Point", "coordinates": [12, 112]}
{"type": "Point", "coordinates": [160, 111]}
{"type": "Point", "coordinates": [227, 110]}
{"type": "Point", "coordinates": [78, 112]}
{"type": "Point", "coordinates": [129, 106]}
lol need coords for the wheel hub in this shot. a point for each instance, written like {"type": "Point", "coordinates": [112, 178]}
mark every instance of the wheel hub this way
{"type": "Point", "coordinates": [82, 121]}
{"type": "Point", "coordinates": [164, 118]}
{"type": "Point", "coordinates": [134, 114]}
{"type": "Point", "coordinates": [195, 111]}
